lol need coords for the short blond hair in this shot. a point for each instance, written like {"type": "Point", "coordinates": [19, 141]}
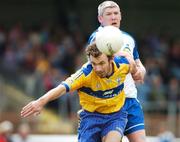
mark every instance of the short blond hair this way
{"type": "Point", "coordinates": [106, 4]}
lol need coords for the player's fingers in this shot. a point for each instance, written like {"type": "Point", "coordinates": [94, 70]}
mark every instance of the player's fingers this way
{"type": "Point", "coordinates": [28, 106]}
{"type": "Point", "coordinates": [27, 112]}
{"type": "Point", "coordinates": [29, 109]}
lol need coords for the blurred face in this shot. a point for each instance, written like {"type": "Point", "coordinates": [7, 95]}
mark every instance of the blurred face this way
{"type": "Point", "coordinates": [102, 65]}
{"type": "Point", "coordinates": [111, 16]}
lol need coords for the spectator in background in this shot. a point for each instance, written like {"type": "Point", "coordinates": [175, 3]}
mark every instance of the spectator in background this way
{"type": "Point", "coordinates": [164, 134]}
{"type": "Point", "coordinates": [158, 89]}
{"type": "Point", "coordinates": [6, 128]}
{"type": "Point", "coordinates": [23, 133]}
{"type": "Point", "coordinates": [2, 41]}
{"type": "Point", "coordinates": [173, 90]}
{"type": "Point", "coordinates": [174, 58]}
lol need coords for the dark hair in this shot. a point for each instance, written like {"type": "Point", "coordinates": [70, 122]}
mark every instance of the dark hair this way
{"type": "Point", "coordinates": [92, 50]}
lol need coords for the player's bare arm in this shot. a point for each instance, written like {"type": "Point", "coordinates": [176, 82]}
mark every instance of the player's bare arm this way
{"type": "Point", "coordinates": [133, 66]}
{"type": "Point", "coordinates": [141, 71]}
{"type": "Point", "coordinates": [35, 107]}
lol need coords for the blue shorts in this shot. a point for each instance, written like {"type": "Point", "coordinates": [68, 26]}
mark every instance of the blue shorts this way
{"type": "Point", "coordinates": [94, 126]}
{"type": "Point", "coordinates": [135, 116]}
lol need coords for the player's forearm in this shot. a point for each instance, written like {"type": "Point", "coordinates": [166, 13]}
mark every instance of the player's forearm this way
{"type": "Point", "coordinates": [35, 107]}
{"type": "Point", "coordinates": [132, 63]}
{"type": "Point", "coordinates": [133, 67]}
{"type": "Point", "coordinates": [141, 68]}
{"type": "Point", "coordinates": [52, 94]}
{"type": "Point", "coordinates": [143, 71]}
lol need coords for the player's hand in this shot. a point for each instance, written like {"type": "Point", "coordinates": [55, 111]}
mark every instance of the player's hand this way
{"type": "Point", "coordinates": [132, 63]}
{"type": "Point", "coordinates": [137, 76]}
{"type": "Point", "coordinates": [33, 108]}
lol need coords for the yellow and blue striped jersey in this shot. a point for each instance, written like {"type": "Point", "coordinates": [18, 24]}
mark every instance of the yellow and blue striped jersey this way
{"type": "Point", "coordinates": [103, 95]}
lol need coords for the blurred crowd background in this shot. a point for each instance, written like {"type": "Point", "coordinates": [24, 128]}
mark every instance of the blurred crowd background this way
{"type": "Point", "coordinates": [42, 43]}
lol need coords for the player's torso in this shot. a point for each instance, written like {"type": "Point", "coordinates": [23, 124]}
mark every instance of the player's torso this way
{"type": "Point", "coordinates": [104, 95]}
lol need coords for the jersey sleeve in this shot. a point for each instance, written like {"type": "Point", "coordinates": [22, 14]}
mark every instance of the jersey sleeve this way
{"type": "Point", "coordinates": [93, 35]}
{"type": "Point", "coordinates": [92, 38]}
{"type": "Point", "coordinates": [75, 81]}
{"type": "Point", "coordinates": [130, 45]}
{"type": "Point", "coordinates": [122, 63]}
{"type": "Point", "coordinates": [135, 53]}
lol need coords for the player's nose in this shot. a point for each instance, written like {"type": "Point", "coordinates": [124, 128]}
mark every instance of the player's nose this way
{"type": "Point", "coordinates": [98, 69]}
{"type": "Point", "coordinates": [113, 16]}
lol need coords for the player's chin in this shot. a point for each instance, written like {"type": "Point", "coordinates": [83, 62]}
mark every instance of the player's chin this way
{"type": "Point", "coordinates": [101, 75]}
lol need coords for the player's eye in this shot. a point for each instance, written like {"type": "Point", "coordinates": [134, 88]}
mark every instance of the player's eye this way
{"type": "Point", "coordinates": [116, 13]}
{"type": "Point", "coordinates": [108, 14]}
{"type": "Point", "coordinates": [93, 64]}
{"type": "Point", "coordinates": [101, 63]}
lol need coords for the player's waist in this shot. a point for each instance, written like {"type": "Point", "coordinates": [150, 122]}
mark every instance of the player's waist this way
{"type": "Point", "coordinates": [99, 113]}
{"type": "Point", "coordinates": [104, 94]}
{"type": "Point", "coordinates": [101, 105]}
{"type": "Point", "coordinates": [131, 93]}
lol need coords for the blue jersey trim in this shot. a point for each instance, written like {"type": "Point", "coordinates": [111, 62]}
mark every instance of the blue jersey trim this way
{"type": "Point", "coordinates": [120, 60]}
{"type": "Point", "coordinates": [66, 86]}
{"type": "Point", "coordinates": [92, 37]}
{"type": "Point", "coordinates": [87, 70]}
{"type": "Point", "coordinates": [134, 129]}
{"type": "Point", "coordinates": [135, 53]}
{"type": "Point", "coordinates": [103, 94]}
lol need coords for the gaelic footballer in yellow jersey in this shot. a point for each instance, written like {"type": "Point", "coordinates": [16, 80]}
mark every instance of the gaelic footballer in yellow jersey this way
{"type": "Point", "coordinates": [103, 95]}
{"type": "Point", "coordinates": [100, 84]}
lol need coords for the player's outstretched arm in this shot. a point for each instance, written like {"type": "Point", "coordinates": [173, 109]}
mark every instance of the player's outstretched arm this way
{"type": "Point", "coordinates": [35, 107]}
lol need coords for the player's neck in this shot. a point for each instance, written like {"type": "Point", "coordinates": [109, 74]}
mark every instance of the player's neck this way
{"type": "Point", "coordinates": [111, 70]}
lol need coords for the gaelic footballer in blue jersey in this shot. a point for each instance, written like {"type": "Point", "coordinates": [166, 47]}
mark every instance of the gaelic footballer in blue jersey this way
{"type": "Point", "coordinates": [109, 14]}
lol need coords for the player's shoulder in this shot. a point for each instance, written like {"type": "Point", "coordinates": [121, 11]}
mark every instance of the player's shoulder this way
{"type": "Point", "coordinates": [129, 42]}
{"type": "Point", "coordinates": [87, 68]}
{"type": "Point", "coordinates": [93, 35]}
{"type": "Point", "coordinates": [120, 60]}
{"type": "Point", "coordinates": [127, 37]}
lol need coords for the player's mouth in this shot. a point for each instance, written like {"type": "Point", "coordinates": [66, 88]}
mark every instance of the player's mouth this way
{"type": "Point", "coordinates": [100, 74]}
{"type": "Point", "coordinates": [114, 24]}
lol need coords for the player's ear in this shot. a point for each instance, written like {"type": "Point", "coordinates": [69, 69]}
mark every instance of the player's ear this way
{"type": "Point", "coordinates": [110, 58]}
{"type": "Point", "coordinates": [100, 19]}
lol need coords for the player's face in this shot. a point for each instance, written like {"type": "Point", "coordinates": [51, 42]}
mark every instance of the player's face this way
{"type": "Point", "coordinates": [101, 65]}
{"type": "Point", "coordinates": [111, 16]}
